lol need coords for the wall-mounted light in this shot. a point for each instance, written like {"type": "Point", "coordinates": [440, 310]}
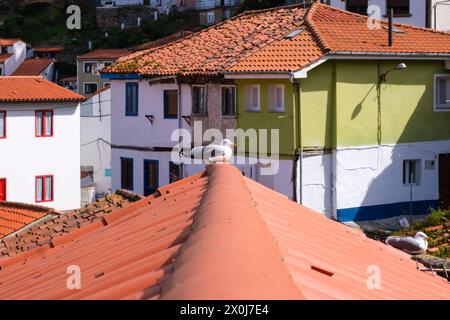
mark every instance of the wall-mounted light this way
{"type": "Point", "coordinates": [400, 66]}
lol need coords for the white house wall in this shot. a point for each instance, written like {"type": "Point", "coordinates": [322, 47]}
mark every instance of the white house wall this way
{"type": "Point", "coordinates": [24, 156]}
{"type": "Point", "coordinates": [369, 180]}
{"type": "Point", "coordinates": [442, 18]}
{"type": "Point", "coordinates": [139, 131]}
{"type": "Point", "coordinates": [96, 138]}
{"type": "Point", "coordinates": [316, 183]}
{"type": "Point", "coordinates": [19, 49]}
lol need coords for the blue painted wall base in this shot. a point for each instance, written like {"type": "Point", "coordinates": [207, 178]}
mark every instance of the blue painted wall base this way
{"type": "Point", "coordinates": [385, 211]}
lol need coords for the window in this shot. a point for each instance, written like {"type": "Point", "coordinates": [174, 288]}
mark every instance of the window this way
{"type": "Point", "coordinates": [44, 188]}
{"type": "Point", "coordinates": [210, 17]}
{"type": "Point", "coordinates": [2, 189]}
{"type": "Point", "coordinates": [90, 67]}
{"type": "Point", "coordinates": [170, 104]}
{"type": "Point", "coordinates": [174, 172]}
{"type": "Point", "coordinates": [3, 50]}
{"type": "Point", "coordinates": [131, 99]}
{"type": "Point", "coordinates": [90, 88]}
{"type": "Point", "coordinates": [229, 101]}
{"type": "Point", "coordinates": [252, 98]}
{"type": "Point", "coordinates": [199, 100]}
{"type": "Point", "coordinates": [107, 64]}
{"type": "Point", "coordinates": [442, 92]}
{"type": "Point", "coordinates": [44, 123]}
{"type": "Point", "coordinates": [276, 98]}
{"type": "Point", "coordinates": [151, 178]}
{"type": "Point", "coordinates": [401, 7]}
{"type": "Point", "coordinates": [357, 6]}
{"type": "Point", "coordinates": [126, 171]}
{"type": "Point", "coordinates": [411, 172]}
{"type": "Point", "coordinates": [2, 124]}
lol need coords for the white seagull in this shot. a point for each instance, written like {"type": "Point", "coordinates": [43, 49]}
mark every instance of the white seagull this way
{"type": "Point", "coordinates": [416, 245]}
{"type": "Point", "coordinates": [212, 153]}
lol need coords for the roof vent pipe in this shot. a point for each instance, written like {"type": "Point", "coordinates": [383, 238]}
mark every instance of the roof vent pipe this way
{"type": "Point", "coordinates": [391, 27]}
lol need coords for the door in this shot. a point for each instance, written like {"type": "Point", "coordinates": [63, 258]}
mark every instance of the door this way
{"type": "Point", "coordinates": [151, 177]}
{"type": "Point", "coordinates": [2, 189]}
{"type": "Point", "coordinates": [444, 181]}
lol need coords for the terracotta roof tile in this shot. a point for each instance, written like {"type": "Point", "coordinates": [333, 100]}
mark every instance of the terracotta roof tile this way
{"type": "Point", "coordinates": [48, 49]}
{"type": "Point", "coordinates": [212, 50]}
{"type": "Point", "coordinates": [5, 56]}
{"type": "Point", "coordinates": [216, 235]}
{"type": "Point", "coordinates": [106, 54]}
{"type": "Point", "coordinates": [32, 67]}
{"type": "Point", "coordinates": [162, 41]}
{"type": "Point", "coordinates": [15, 216]}
{"type": "Point", "coordinates": [32, 88]}
{"type": "Point", "coordinates": [8, 42]}
{"type": "Point", "coordinates": [52, 229]}
{"type": "Point", "coordinates": [256, 41]}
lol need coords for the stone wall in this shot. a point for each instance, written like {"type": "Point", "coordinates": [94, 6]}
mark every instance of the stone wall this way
{"type": "Point", "coordinates": [114, 17]}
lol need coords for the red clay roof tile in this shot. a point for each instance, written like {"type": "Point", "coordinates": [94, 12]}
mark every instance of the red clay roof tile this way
{"type": "Point", "coordinates": [5, 56]}
{"type": "Point", "coordinates": [217, 235]}
{"type": "Point", "coordinates": [8, 42]}
{"type": "Point", "coordinates": [104, 54]}
{"type": "Point", "coordinates": [15, 216]}
{"type": "Point", "coordinates": [256, 41]}
{"type": "Point", "coordinates": [32, 67]}
{"type": "Point", "coordinates": [32, 88]}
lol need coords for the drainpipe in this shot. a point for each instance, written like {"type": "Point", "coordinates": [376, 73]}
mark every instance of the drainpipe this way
{"type": "Point", "coordinates": [298, 163]}
{"type": "Point", "coordinates": [334, 150]}
{"type": "Point", "coordinates": [179, 119]}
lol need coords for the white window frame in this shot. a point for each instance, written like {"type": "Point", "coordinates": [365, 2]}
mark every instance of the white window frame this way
{"type": "Point", "coordinates": [249, 107]}
{"type": "Point", "coordinates": [272, 95]}
{"type": "Point", "coordinates": [438, 107]}
{"type": "Point", "coordinates": [84, 87]}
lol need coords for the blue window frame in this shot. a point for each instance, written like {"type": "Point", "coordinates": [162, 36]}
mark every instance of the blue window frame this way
{"type": "Point", "coordinates": [151, 176]}
{"type": "Point", "coordinates": [131, 99]}
{"type": "Point", "coordinates": [126, 173]}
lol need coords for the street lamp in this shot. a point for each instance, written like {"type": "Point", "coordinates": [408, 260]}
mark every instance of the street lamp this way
{"type": "Point", "coordinates": [400, 66]}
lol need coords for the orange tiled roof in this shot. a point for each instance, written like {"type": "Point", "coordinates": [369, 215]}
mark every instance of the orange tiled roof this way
{"type": "Point", "coordinates": [14, 216]}
{"type": "Point", "coordinates": [212, 50]}
{"type": "Point", "coordinates": [31, 88]}
{"type": "Point", "coordinates": [32, 67]}
{"type": "Point", "coordinates": [8, 42]}
{"type": "Point", "coordinates": [216, 235]}
{"type": "Point", "coordinates": [5, 56]}
{"type": "Point", "coordinates": [162, 41]}
{"type": "Point", "coordinates": [43, 233]}
{"type": "Point", "coordinates": [104, 54]}
{"type": "Point", "coordinates": [48, 49]}
{"type": "Point", "coordinates": [259, 41]}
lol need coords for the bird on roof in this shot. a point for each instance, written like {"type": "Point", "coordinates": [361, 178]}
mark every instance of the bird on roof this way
{"type": "Point", "coordinates": [212, 153]}
{"type": "Point", "coordinates": [412, 245]}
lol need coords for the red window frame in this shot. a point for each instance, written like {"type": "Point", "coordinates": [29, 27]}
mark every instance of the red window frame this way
{"type": "Point", "coordinates": [44, 191]}
{"type": "Point", "coordinates": [6, 188]}
{"type": "Point", "coordinates": [4, 124]}
{"type": "Point", "coordinates": [44, 124]}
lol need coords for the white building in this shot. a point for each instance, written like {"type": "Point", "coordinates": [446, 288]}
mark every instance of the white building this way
{"type": "Point", "coordinates": [39, 143]}
{"type": "Point", "coordinates": [96, 139]}
{"type": "Point", "coordinates": [423, 13]}
{"type": "Point", "coordinates": [12, 53]}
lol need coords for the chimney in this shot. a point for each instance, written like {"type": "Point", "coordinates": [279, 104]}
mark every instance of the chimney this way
{"type": "Point", "coordinates": [391, 27]}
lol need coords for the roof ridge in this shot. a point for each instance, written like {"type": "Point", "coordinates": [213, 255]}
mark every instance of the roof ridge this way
{"type": "Point", "coordinates": [27, 206]}
{"type": "Point", "coordinates": [240, 223]}
{"type": "Point", "coordinates": [313, 28]}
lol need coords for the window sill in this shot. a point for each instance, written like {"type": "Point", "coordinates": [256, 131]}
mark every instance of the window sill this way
{"type": "Point", "coordinates": [131, 115]}
{"type": "Point", "coordinates": [44, 201]}
{"type": "Point", "coordinates": [225, 116]}
{"type": "Point", "coordinates": [200, 115]}
{"type": "Point", "coordinates": [442, 109]}
{"type": "Point", "coordinates": [278, 112]}
{"type": "Point", "coordinates": [254, 111]}
{"type": "Point", "coordinates": [170, 118]}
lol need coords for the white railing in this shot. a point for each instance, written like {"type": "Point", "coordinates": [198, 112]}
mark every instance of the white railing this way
{"type": "Point", "coordinates": [87, 195]}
